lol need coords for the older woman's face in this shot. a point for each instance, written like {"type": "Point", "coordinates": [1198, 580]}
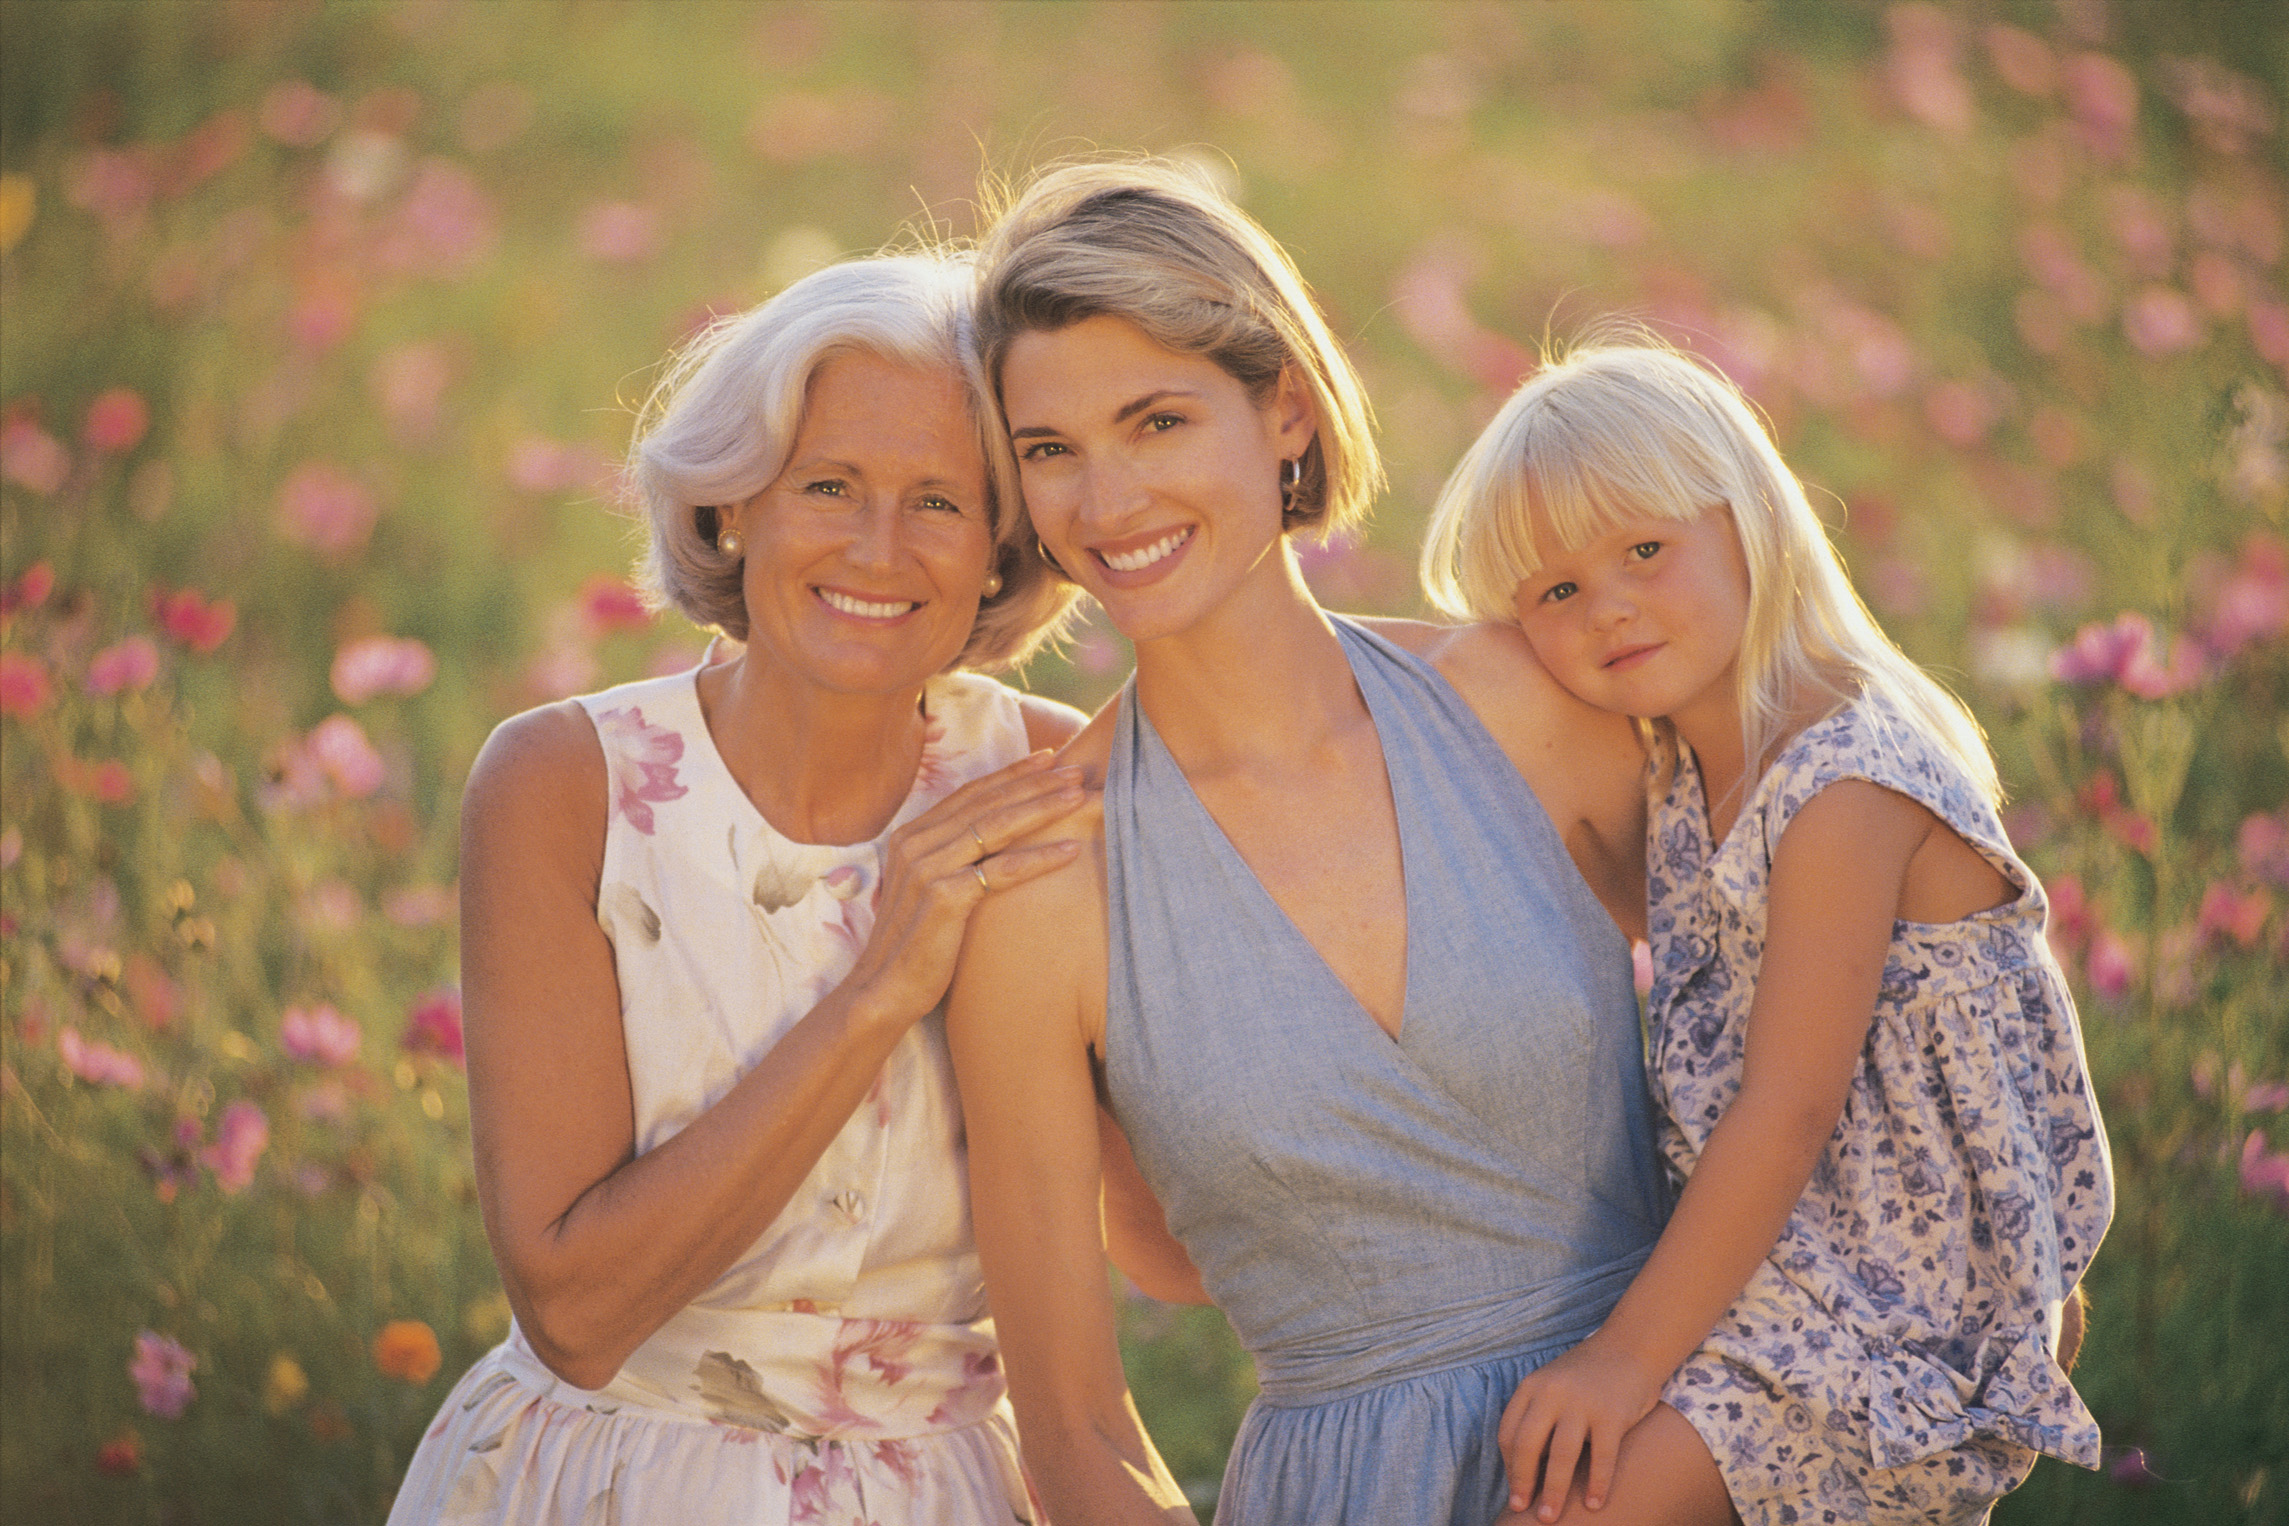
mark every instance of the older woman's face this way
{"type": "Point", "coordinates": [867, 557]}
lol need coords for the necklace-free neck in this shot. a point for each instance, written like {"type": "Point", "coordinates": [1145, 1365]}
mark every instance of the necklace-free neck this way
{"type": "Point", "coordinates": [822, 766]}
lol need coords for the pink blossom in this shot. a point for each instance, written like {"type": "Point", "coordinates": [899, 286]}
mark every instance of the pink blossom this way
{"type": "Point", "coordinates": [538, 464]}
{"type": "Point", "coordinates": [29, 591]}
{"type": "Point", "coordinates": [2102, 96]}
{"type": "Point", "coordinates": [326, 509]}
{"type": "Point", "coordinates": [408, 381]}
{"type": "Point", "coordinates": [128, 664]}
{"type": "Point", "coordinates": [240, 1139]}
{"type": "Point", "coordinates": [199, 623]}
{"type": "Point", "coordinates": [333, 905]}
{"type": "Point", "coordinates": [382, 665]}
{"type": "Point", "coordinates": [2112, 967]}
{"type": "Point", "coordinates": [2253, 603]}
{"type": "Point", "coordinates": [641, 760]}
{"type": "Point", "coordinates": [434, 1025]}
{"type": "Point", "coordinates": [297, 113]}
{"type": "Point", "coordinates": [162, 1373]}
{"type": "Point", "coordinates": [339, 747]}
{"type": "Point", "coordinates": [98, 1064]}
{"type": "Point", "coordinates": [2266, 1097]}
{"type": "Point", "coordinates": [419, 905]}
{"type": "Point", "coordinates": [319, 1035]}
{"type": "Point", "coordinates": [2268, 331]}
{"type": "Point", "coordinates": [2159, 321]}
{"type": "Point", "coordinates": [2228, 912]}
{"type": "Point", "coordinates": [609, 604]}
{"type": "Point", "coordinates": [31, 457]}
{"type": "Point", "coordinates": [2263, 846]}
{"type": "Point", "coordinates": [116, 185]}
{"type": "Point", "coordinates": [24, 687]}
{"type": "Point", "coordinates": [2024, 60]}
{"type": "Point", "coordinates": [619, 232]}
{"type": "Point", "coordinates": [1923, 66]}
{"type": "Point", "coordinates": [2124, 654]}
{"type": "Point", "coordinates": [2264, 1170]}
{"type": "Point", "coordinates": [564, 668]}
{"type": "Point", "coordinates": [116, 421]}
{"type": "Point", "coordinates": [444, 226]}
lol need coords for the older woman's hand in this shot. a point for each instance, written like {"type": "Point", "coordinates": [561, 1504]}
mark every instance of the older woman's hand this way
{"type": "Point", "coordinates": [937, 867]}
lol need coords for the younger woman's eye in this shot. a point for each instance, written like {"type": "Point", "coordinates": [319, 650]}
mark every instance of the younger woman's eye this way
{"type": "Point", "coordinates": [1161, 421]}
{"type": "Point", "coordinates": [1041, 450]}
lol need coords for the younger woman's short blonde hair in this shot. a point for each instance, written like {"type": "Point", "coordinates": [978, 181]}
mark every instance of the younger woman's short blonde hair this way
{"type": "Point", "coordinates": [718, 428]}
{"type": "Point", "coordinates": [1154, 242]}
{"type": "Point", "coordinates": [1630, 428]}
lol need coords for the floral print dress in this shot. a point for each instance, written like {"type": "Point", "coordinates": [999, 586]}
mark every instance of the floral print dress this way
{"type": "Point", "coordinates": [1892, 1359]}
{"type": "Point", "coordinates": [842, 1370]}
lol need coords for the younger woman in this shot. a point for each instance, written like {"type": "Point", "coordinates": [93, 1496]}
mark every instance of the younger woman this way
{"type": "Point", "coordinates": [1865, 1058]}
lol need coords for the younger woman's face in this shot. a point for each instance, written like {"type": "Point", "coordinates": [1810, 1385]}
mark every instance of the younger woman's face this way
{"type": "Point", "coordinates": [1645, 619]}
{"type": "Point", "coordinates": [1152, 477]}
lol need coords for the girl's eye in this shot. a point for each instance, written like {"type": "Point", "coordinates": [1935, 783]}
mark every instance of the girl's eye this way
{"type": "Point", "coordinates": [1558, 593]}
{"type": "Point", "coordinates": [1644, 550]}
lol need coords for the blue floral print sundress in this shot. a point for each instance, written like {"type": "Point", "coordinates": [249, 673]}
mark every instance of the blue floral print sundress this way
{"type": "Point", "coordinates": [1892, 1359]}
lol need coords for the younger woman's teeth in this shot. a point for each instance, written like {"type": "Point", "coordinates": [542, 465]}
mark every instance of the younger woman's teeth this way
{"type": "Point", "coordinates": [865, 609]}
{"type": "Point", "coordinates": [1137, 561]}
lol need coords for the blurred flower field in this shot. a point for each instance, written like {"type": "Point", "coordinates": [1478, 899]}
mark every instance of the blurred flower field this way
{"type": "Point", "coordinates": [321, 326]}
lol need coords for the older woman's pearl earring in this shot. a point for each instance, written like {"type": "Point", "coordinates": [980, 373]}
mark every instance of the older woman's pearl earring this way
{"type": "Point", "coordinates": [992, 583]}
{"type": "Point", "coordinates": [731, 544]}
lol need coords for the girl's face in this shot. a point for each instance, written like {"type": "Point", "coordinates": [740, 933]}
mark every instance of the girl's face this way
{"type": "Point", "coordinates": [1646, 619]}
{"type": "Point", "coordinates": [867, 556]}
{"type": "Point", "coordinates": [1152, 477]}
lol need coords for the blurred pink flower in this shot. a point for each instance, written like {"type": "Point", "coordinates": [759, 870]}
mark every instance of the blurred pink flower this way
{"type": "Point", "coordinates": [339, 747]}
{"type": "Point", "coordinates": [2252, 604]}
{"type": "Point", "coordinates": [116, 421]}
{"type": "Point", "coordinates": [444, 226]}
{"type": "Point", "coordinates": [419, 905]}
{"type": "Point", "coordinates": [2160, 321]}
{"type": "Point", "coordinates": [563, 669]}
{"type": "Point", "coordinates": [319, 1035]}
{"type": "Point", "coordinates": [106, 779]}
{"type": "Point", "coordinates": [30, 457]}
{"type": "Point", "coordinates": [2264, 1170]}
{"type": "Point", "coordinates": [619, 232]}
{"type": "Point", "coordinates": [186, 616]}
{"type": "Point", "coordinates": [29, 591]}
{"type": "Point", "coordinates": [2112, 967]}
{"type": "Point", "coordinates": [2228, 110]}
{"type": "Point", "coordinates": [2142, 230]}
{"type": "Point", "coordinates": [2263, 846]}
{"type": "Point", "coordinates": [2266, 1097]}
{"type": "Point", "coordinates": [1962, 413]}
{"type": "Point", "coordinates": [609, 604]}
{"type": "Point", "coordinates": [116, 185]}
{"type": "Point", "coordinates": [158, 999]}
{"type": "Point", "coordinates": [641, 760]}
{"type": "Point", "coordinates": [2024, 60]}
{"type": "Point", "coordinates": [24, 687]}
{"type": "Point", "coordinates": [541, 465]}
{"type": "Point", "coordinates": [434, 1025]}
{"type": "Point", "coordinates": [382, 665]}
{"type": "Point", "coordinates": [240, 1139]}
{"type": "Point", "coordinates": [326, 1102]}
{"type": "Point", "coordinates": [408, 381]}
{"type": "Point", "coordinates": [2230, 912]}
{"type": "Point", "coordinates": [128, 664]}
{"type": "Point", "coordinates": [333, 905]}
{"type": "Point", "coordinates": [98, 1063]}
{"type": "Point", "coordinates": [162, 1373]}
{"type": "Point", "coordinates": [326, 509]}
{"type": "Point", "coordinates": [2102, 96]}
{"type": "Point", "coordinates": [2268, 331]}
{"type": "Point", "coordinates": [297, 113]}
{"type": "Point", "coordinates": [2052, 258]}
{"type": "Point", "coordinates": [2124, 654]}
{"type": "Point", "coordinates": [1923, 67]}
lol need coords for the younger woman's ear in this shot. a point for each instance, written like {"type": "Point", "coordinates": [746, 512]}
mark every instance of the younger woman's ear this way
{"type": "Point", "coordinates": [1295, 417]}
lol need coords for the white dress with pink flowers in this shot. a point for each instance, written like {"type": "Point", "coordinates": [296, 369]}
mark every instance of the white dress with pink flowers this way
{"type": "Point", "coordinates": [842, 1370]}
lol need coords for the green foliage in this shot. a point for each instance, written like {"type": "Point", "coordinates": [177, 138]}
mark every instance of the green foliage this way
{"type": "Point", "coordinates": [324, 325]}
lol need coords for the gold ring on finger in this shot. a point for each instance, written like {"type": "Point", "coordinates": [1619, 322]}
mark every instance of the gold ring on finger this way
{"type": "Point", "coordinates": [979, 869]}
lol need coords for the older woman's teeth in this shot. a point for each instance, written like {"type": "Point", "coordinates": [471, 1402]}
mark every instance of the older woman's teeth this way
{"type": "Point", "coordinates": [1137, 561]}
{"type": "Point", "coordinates": [865, 609]}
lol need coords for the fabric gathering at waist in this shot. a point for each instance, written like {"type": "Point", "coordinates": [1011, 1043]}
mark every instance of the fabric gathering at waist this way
{"type": "Point", "coordinates": [808, 1376]}
{"type": "Point", "coordinates": [1534, 1323]}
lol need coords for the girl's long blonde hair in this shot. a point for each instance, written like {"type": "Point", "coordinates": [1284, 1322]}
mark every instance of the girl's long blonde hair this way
{"type": "Point", "coordinates": [1630, 427]}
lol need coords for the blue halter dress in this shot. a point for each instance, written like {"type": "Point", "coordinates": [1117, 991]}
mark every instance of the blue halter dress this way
{"type": "Point", "coordinates": [1398, 1229]}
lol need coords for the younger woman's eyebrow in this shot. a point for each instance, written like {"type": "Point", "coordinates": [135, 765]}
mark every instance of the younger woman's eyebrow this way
{"type": "Point", "coordinates": [1121, 415]}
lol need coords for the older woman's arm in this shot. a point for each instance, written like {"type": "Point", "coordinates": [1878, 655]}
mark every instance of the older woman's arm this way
{"type": "Point", "coordinates": [598, 1246]}
{"type": "Point", "coordinates": [1017, 1025]}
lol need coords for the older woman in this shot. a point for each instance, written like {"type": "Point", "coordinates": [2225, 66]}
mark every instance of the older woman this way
{"type": "Point", "coordinates": [706, 920]}
{"type": "Point", "coordinates": [1342, 950]}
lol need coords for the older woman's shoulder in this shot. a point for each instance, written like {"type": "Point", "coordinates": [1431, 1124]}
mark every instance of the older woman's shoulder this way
{"type": "Point", "coordinates": [541, 766]}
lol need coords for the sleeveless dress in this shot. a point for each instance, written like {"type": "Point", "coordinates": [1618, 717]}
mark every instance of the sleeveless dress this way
{"type": "Point", "coordinates": [1398, 1230]}
{"type": "Point", "coordinates": [842, 1369]}
{"type": "Point", "coordinates": [1892, 1359]}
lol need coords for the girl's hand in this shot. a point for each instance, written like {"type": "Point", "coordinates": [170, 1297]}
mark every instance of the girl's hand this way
{"type": "Point", "coordinates": [1588, 1398]}
{"type": "Point", "coordinates": [940, 865]}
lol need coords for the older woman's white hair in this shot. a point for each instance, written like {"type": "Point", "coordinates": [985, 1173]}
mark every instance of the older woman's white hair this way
{"type": "Point", "coordinates": [718, 427]}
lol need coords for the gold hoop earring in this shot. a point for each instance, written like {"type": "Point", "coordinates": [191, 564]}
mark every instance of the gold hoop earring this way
{"type": "Point", "coordinates": [1054, 565]}
{"type": "Point", "coordinates": [1291, 478]}
{"type": "Point", "coordinates": [992, 584]}
{"type": "Point", "coordinates": [731, 544]}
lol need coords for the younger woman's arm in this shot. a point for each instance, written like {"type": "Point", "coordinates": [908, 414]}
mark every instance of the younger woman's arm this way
{"type": "Point", "coordinates": [1017, 1022]}
{"type": "Point", "coordinates": [1836, 884]}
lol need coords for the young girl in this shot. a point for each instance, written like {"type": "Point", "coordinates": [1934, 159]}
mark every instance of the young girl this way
{"type": "Point", "coordinates": [1864, 1056]}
